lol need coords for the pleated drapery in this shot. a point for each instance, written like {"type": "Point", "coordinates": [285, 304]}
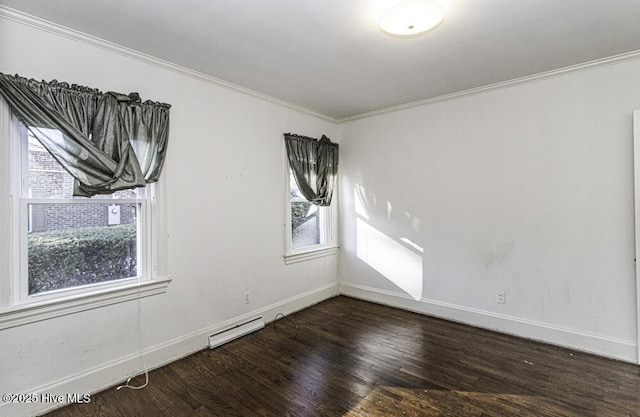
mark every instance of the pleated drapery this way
{"type": "Point", "coordinates": [315, 166]}
{"type": "Point", "coordinates": [106, 141]}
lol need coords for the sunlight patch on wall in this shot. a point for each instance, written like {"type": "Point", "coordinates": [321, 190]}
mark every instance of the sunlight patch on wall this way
{"type": "Point", "coordinates": [397, 263]}
{"type": "Point", "coordinates": [412, 244]}
{"type": "Point", "coordinates": [359, 198]}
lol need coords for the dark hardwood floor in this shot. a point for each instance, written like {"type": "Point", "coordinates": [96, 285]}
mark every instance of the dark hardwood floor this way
{"type": "Point", "coordinates": [353, 358]}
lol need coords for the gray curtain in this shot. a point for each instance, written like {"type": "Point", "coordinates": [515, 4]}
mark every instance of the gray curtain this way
{"type": "Point", "coordinates": [106, 141]}
{"type": "Point", "coordinates": [315, 166]}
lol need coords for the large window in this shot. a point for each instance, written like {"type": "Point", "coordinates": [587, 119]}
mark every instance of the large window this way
{"type": "Point", "coordinates": [74, 242]}
{"type": "Point", "coordinates": [63, 254]}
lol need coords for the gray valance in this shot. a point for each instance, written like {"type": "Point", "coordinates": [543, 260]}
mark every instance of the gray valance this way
{"type": "Point", "coordinates": [315, 166]}
{"type": "Point", "coordinates": [106, 141]}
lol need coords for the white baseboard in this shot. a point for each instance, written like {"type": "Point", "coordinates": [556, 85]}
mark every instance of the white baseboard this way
{"type": "Point", "coordinates": [111, 373]}
{"type": "Point", "coordinates": [591, 343]}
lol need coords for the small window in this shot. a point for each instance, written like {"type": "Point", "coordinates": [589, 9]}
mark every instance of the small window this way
{"type": "Point", "coordinates": [307, 220]}
{"type": "Point", "coordinates": [310, 231]}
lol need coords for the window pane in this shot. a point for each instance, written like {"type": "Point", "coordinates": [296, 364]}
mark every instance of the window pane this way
{"type": "Point", "coordinates": [305, 220]}
{"type": "Point", "coordinates": [78, 244]}
{"type": "Point", "coordinates": [48, 179]}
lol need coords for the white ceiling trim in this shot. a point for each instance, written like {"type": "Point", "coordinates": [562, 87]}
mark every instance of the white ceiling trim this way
{"type": "Point", "coordinates": [628, 56]}
{"type": "Point", "coordinates": [65, 32]}
{"type": "Point", "coordinates": [59, 30]}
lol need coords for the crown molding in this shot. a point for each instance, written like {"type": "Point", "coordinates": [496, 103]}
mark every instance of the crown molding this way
{"type": "Point", "coordinates": [615, 59]}
{"type": "Point", "coordinates": [72, 34]}
{"type": "Point", "coordinates": [59, 30]}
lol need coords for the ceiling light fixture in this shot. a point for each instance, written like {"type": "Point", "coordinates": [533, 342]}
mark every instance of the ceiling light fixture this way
{"type": "Point", "coordinates": [411, 18]}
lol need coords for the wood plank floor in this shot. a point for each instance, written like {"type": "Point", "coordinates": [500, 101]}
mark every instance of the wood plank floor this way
{"type": "Point", "coordinates": [353, 358]}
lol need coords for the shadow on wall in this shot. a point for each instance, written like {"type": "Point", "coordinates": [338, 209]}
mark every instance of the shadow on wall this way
{"type": "Point", "coordinates": [399, 261]}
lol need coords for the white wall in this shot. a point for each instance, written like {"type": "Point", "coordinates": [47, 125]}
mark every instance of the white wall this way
{"type": "Point", "coordinates": [224, 177]}
{"type": "Point", "coordinates": [526, 189]}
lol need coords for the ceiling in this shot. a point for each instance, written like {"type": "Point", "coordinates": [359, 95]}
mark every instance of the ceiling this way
{"type": "Point", "coordinates": [330, 57]}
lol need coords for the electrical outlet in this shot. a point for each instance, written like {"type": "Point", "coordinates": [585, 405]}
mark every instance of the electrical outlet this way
{"type": "Point", "coordinates": [501, 297]}
{"type": "Point", "coordinates": [247, 299]}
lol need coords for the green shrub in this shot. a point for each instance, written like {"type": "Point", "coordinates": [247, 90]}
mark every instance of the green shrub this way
{"type": "Point", "coordinates": [68, 258]}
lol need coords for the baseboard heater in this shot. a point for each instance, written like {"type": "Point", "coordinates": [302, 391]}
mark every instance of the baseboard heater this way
{"type": "Point", "coordinates": [235, 332]}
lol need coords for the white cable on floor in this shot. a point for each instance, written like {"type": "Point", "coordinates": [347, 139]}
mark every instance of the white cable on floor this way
{"type": "Point", "coordinates": [144, 362]}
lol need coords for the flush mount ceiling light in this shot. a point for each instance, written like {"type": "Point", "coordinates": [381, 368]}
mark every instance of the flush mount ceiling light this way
{"type": "Point", "coordinates": [411, 18]}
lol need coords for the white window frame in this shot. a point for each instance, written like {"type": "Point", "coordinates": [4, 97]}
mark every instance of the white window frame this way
{"type": "Point", "coordinates": [18, 308]}
{"type": "Point", "coordinates": [328, 225]}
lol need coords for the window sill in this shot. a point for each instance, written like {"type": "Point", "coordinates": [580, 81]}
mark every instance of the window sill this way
{"type": "Point", "coordinates": [31, 313]}
{"type": "Point", "coordinates": [292, 258]}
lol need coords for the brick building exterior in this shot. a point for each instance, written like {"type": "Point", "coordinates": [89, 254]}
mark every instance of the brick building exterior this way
{"type": "Point", "coordinates": [48, 180]}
